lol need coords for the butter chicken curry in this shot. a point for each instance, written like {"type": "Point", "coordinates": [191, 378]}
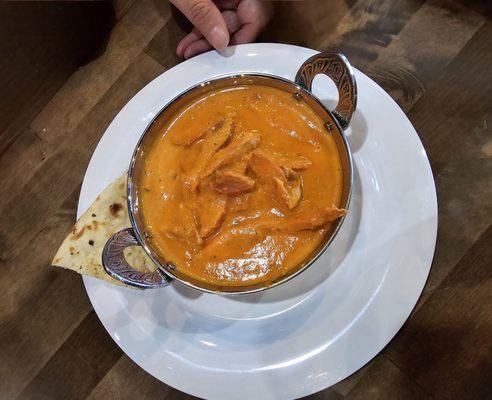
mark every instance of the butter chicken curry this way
{"type": "Point", "coordinates": [241, 186]}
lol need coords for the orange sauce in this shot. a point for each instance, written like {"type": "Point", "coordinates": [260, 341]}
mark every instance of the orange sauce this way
{"type": "Point", "coordinates": [241, 186]}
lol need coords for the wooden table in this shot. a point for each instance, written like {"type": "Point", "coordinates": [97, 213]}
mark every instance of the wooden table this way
{"type": "Point", "coordinates": [433, 57]}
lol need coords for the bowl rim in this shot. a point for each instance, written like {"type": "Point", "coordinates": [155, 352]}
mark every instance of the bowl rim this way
{"type": "Point", "coordinates": [132, 202]}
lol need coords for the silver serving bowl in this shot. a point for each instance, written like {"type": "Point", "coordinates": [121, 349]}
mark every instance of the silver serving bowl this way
{"type": "Point", "coordinates": [334, 66]}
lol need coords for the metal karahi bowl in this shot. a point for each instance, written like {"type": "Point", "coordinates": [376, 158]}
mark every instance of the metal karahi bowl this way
{"type": "Point", "coordinates": [333, 65]}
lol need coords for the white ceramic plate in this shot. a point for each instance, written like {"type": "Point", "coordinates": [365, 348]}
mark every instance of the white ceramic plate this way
{"type": "Point", "coordinates": [318, 328]}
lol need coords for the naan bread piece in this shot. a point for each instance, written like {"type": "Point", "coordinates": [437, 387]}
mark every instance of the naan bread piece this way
{"type": "Point", "coordinates": [81, 251]}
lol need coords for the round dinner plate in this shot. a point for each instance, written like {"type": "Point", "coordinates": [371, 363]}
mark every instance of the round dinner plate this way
{"type": "Point", "coordinates": [323, 325]}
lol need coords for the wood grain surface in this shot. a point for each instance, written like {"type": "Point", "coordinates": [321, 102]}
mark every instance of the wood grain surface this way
{"type": "Point", "coordinates": [63, 79]}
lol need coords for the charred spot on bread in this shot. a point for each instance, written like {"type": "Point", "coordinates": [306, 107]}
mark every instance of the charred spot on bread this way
{"type": "Point", "coordinates": [115, 208]}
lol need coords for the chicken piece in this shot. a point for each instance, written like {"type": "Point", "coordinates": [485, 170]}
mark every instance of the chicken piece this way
{"type": "Point", "coordinates": [264, 165]}
{"type": "Point", "coordinates": [332, 213]}
{"type": "Point", "coordinates": [232, 182]}
{"type": "Point", "coordinates": [238, 147]}
{"type": "Point", "coordinates": [184, 228]}
{"type": "Point", "coordinates": [300, 163]}
{"type": "Point", "coordinates": [188, 163]}
{"type": "Point", "coordinates": [210, 145]}
{"type": "Point", "coordinates": [209, 209]}
{"type": "Point", "coordinates": [288, 191]}
{"type": "Point", "coordinates": [291, 191]}
{"type": "Point", "coordinates": [287, 183]}
{"type": "Point", "coordinates": [290, 174]}
{"type": "Point", "coordinates": [310, 219]}
{"type": "Point", "coordinates": [211, 217]}
{"type": "Point", "coordinates": [190, 137]}
{"type": "Point", "coordinates": [187, 234]}
{"type": "Point", "coordinates": [241, 165]}
{"type": "Point", "coordinates": [281, 190]}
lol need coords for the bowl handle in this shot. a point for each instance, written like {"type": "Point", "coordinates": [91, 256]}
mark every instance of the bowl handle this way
{"type": "Point", "coordinates": [115, 264]}
{"type": "Point", "coordinates": [336, 67]}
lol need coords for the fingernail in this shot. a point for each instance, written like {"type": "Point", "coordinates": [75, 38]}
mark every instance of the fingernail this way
{"type": "Point", "coordinates": [179, 49]}
{"type": "Point", "coordinates": [227, 52]}
{"type": "Point", "coordinates": [218, 38]}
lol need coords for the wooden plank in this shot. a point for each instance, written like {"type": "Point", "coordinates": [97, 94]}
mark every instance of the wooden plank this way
{"type": "Point", "coordinates": [313, 18]}
{"type": "Point", "coordinates": [162, 47]}
{"type": "Point", "coordinates": [77, 366]}
{"type": "Point", "coordinates": [94, 344]}
{"type": "Point", "coordinates": [121, 7]}
{"type": "Point", "coordinates": [33, 210]}
{"type": "Point", "coordinates": [34, 262]}
{"type": "Point", "coordinates": [67, 375]}
{"type": "Point", "coordinates": [327, 394]}
{"type": "Point", "coordinates": [126, 380]}
{"type": "Point", "coordinates": [28, 153]}
{"type": "Point", "coordinates": [44, 43]}
{"type": "Point", "coordinates": [453, 121]}
{"type": "Point", "coordinates": [67, 164]}
{"type": "Point", "coordinates": [39, 215]}
{"type": "Point", "coordinates": [89, 84]}
{"type": "Point", "coordinates": [383, 380]}
{"type": "Point", "coordinates": [446, 346]}
{"type": "Point", "coordinates": [406, 67]}
{"type": "Point", "coordinates": [43, 320]}
{"type": "Point", "coordinates": [479, 6]}
{"type": "Point", "coordinates": [345, 386]}
{"type": "Point", "coordinates": [369, 27]}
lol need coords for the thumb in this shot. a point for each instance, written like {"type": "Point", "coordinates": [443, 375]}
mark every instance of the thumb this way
{"type": "Point", "coordinates": [207, 19]}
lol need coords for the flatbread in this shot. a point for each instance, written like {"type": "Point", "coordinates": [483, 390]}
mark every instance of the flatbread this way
{"type": "Point", "coordinates": [81, 251]}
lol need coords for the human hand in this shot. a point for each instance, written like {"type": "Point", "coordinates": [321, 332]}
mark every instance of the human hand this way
{"type": "Point", "coordinates": [220, 23]}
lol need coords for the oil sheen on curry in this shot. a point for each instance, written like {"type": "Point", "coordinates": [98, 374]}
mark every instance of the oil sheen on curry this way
{"type": "Point", "coordinates": [241, 186]}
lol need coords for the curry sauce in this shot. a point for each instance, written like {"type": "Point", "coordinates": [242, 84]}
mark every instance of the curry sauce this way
{"type": "Point", "coordinates": [241, 186]}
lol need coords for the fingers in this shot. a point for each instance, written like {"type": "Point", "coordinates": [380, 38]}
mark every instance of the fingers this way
{"type": "Point", "coordinates": [194, 44]}
{"type": "Point", "coordinates": [206, 17]}
{"type": "Point", "coordinates": [247, 34]}
{"type": "Point", "coordinates": [232, 21]}
{"type": "Point", "coordinates": [197, 47]}
{"type": "Point", "coordinates": [244, 19]}
{"type": "Point", "coordinates": [227, 4]}
{"type": "Point", "coordinates": [254, 15]}
{"type": "Point", "coordinates": [191, 37]}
